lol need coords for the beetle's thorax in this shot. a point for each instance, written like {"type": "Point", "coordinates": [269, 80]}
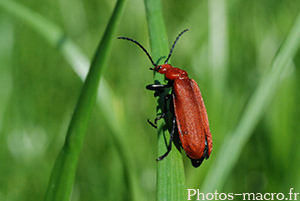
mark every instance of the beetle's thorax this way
{"type": "Point", "coordinates": [171, 73]}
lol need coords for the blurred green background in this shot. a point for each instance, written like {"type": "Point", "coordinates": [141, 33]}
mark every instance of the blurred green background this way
{"type": "Point", "coordinates": [227, 51]}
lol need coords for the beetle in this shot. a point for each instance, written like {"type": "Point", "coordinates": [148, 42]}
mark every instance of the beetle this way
{"type": "Point", "coordinates": [189, 112]}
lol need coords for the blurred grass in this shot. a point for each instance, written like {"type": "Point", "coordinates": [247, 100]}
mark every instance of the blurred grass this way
{"type": "Point", "coordinates": [63, 174]}
{"type": "Point", "coordinates": [255, 108]}
{"type": "Point", "coordinates": [39, 90]}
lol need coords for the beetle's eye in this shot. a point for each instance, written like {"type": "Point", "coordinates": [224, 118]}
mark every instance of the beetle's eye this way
{"type": "Point", "coordinates": [157, 68]}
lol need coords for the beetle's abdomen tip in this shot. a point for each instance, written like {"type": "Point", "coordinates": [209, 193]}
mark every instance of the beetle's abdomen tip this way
{"type": "Point", "coordinates": [197, 162]}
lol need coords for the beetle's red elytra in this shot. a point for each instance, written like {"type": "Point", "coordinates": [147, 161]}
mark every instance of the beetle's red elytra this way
{"type": "Point", "coordinates": [189, 112]}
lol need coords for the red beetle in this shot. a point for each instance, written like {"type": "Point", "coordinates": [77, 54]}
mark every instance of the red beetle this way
{"type": "Point", "coordinates": [189, 109]}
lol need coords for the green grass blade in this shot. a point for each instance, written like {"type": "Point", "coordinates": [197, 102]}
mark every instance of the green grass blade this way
{"type": "Point", "coordinates": [80, 64]}
{"type": "Point", "coordinates": [63, 173]}
{"type": "Point", "coordinates": [170, 171]}
{"type": "Point", "coordinates": [265, 91]}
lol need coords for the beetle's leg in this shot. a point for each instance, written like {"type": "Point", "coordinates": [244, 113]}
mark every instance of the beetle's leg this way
{"type": "Point", "coordinates": [162, 115]}
{"type": "Point", "coordinates": [158, 88]}
{"type": "Point", "coordinates": [170, 142]}
{"type": "Point", "coordinates": [156, 119]}
{"type": "Point", "coordinates": [151, 123]}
